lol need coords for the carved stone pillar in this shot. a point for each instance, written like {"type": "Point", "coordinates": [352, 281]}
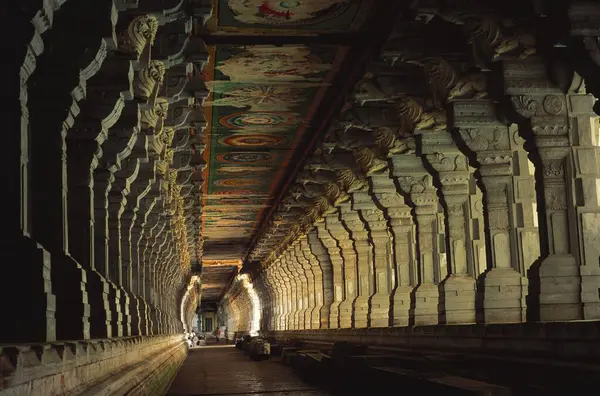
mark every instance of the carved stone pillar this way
{"type": "Point", "coordinates": [457, 291]}
{"type": "Point", "coordinates": [273, 292]}
{"type": "Point", "coordinates": [364, 255]}
{"type": "Point", "coordinates": [282, 295]}
{"type": "Point", "coordinates": [323, 279]}
{"type": "Point", "coordinates": [409, 172]}
{"type": "Point", "coordinates": [292, 297]}
{"type": "Point", "coordinates": [564, 131]}
{"type": "Point", "coordinates": [299, 279]}
{"type": "Point", "coordinates": [33, 319]}
{"type": "Point", "coordinates": [403, 228]}
{"type": "Point", "coordinates": [337, 272]}
{"type": "Point", "coordinates": [476, 227]}
{"type": "Point", "coordinates": [54, 93]}
{"type": "Point", "coordinates": [339, 233]}
{"type": "Point", "coordinates": [311, 283]}
{"type": "Point", "coordinates": [504, 287]}
{"type": "Point", "coordinates": [379, 303]}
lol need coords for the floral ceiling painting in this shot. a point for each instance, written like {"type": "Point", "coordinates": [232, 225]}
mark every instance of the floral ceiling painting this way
{"type": "Point", "coordinates": [261, 103]}
{"type": "Point", "coordinates": [300, 16]}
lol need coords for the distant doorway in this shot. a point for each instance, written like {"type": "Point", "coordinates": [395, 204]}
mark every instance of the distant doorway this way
{"type": "Point", "coordinates": [208, 325]}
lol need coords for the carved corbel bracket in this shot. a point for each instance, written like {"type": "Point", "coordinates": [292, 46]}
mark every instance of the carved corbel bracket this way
{"type": "Point", "coordinates": [150, 80]}
{"type": "Point", "coordinates": [388, 143]}
{"type": "Point", "coordinates": [351, 181]}
{"type": "Point", "coordinates": [139, 36]}
{"type": "Point", "coordinates": [449, 82]}
{"type": "Point", "coordinates": [368, 161]}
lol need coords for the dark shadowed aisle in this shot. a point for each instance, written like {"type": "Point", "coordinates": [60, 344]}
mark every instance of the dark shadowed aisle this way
{"type": "Point", "coordinates": [224, 370]}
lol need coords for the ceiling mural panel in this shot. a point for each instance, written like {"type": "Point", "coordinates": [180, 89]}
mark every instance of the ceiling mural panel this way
{"type": "Point", "coordinates": [261, 103]}
{"type": "Point", "coordinates": [298, 16]}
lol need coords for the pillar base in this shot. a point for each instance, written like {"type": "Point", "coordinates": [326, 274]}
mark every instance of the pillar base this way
{"type": "Point", "coordinates": [504, 296]}
{"type": "Point", "coordinates": [125, 304]}
{"type": "Point", "coordinates": [425, 311]}
{"type": "Point", "coordinates": [561, 289]}
{"type": "Point", "coordinates": [100, 314]}
{"type": "Point", "coordinates": [315, 319]}
{"type": "Point", "coordinates": [457, 299]}
{"type": "Point", "coordinates": [72, 307]}
{"type": "Point", "coordinates": [324, 317]}
{"type": "Point", "coordinates": [32, 317]}
{"type": "Point", "coordinates": [299, 319]}
{"type": "Point", "coordinates": [114, 295]}
{"type": "Point", "coordinates": [145, 321]}
{"type": "Point", "coordinates": [285, 323]}
{"type": "Point", "coordinates": [134, 312]}
{"type": "Point", "coordinates": [361, 312]}
{"type": "Point", "coordinates": [346, 314]}
{"type": "Point", "coordinates": [333, 319]}
{"type": "Point", "coordinates": [379, 310]}
{"type": "Point", "coordinates": [401, 306]}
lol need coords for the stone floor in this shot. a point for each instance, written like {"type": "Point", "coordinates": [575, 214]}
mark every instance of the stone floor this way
{"type": "Point", "coordinates": [223, 370]}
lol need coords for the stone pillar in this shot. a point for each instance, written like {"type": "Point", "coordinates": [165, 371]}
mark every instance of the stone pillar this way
{"type": "Point", "coordinates": [403, 229]}
{"type": "Point", "coordinates": [323, 293]}
{"type": "Point", "coordinates": [282, 295]}
{"type": "Point", "coordinates": [310, 285]}
{"type": "Point", "coordinates": [339, 233]}
{"type": "Point", "coordinates": [364, 255]}
{"type": "Point", "coordinates": [379, 302]}
{"type": "Point", "coordinates": [564, 131]}
{"type": "Point", "coordinates": [476, 227]}
{"type": "Point", "coordinates": [458, 290]}
{"type": "Point", "coordinates": [337, 272]}
{"type": "Point", "coordinates": [300, 278]}
{"type": "Point", "coordinates": [54, 93]}
{"type": "Point", "coordinates": [409, 172]}
{"type": "Point", "coordinates": [504, 287]}
{"type": "Point", "coordinates": [33, 318]}
{"type": "Point", "coordinates": [291, 298]}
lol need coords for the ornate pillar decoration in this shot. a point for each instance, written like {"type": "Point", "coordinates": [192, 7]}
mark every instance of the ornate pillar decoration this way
{"type": "Point", "coordinates": [323, 294]}
{"type": "Point", "coordinates": [337, 270]}
{"type": "Point", "coordinates": [457, 290]}
{"type": "Point", "coordinates": [403, 229]}
{"type": "Point", "coordinates": [283, 296]}
{"type": "Point", "coordinates": [292, 297]}
{"type": "Point", "coordinates": [339, 233]}
{"type": "Point", "coordinates": [364, 256]}
{"type": "Point", "coordinates": [504, 287]}
{"type": "Point", "coordinates": [307, 268]}
{"type": "Point", "coordinates": [564, 131]}
{"type": "Point", "coordinates": [50, 120]}
{"type": "Point", "coordinates": [299, 280]}
{"type": "Point", "coordinates": [376, 281]}
{"type": "Point", "coordinates": [422, 194]}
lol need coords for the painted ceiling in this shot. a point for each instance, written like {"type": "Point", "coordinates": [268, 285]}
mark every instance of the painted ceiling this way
{"type": "Point", "coordinates": [260, 110]}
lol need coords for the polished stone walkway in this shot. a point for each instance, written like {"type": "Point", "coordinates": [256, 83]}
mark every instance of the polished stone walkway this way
{"type": "Point", "coordinates": [224, 371]}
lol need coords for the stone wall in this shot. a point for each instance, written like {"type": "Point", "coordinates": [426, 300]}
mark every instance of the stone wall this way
{"type": "Point", "coordinates": [139, 365]}
{"type": "Point", "coordinates": [565, 341]}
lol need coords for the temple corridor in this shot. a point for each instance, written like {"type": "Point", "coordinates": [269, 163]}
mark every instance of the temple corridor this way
{"type": "Point", "coordinates": [222, 370]}
{"type": "Point", "coordinates": [403, 192]}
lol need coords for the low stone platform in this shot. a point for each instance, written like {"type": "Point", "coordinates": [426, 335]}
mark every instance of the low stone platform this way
{"type": "Point", "coordinates": [224, 370]}
{"type": "Point", "coordinates": [578, 341]}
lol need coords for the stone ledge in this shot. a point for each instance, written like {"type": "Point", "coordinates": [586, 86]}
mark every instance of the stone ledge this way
{"type": "Point", "coordinates": [572, 340]}
{"type": "Point", "coordinates": [65, 367]}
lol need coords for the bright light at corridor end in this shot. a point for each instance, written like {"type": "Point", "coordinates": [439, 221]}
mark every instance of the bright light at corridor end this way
{"type": "Point", "coordinates": [195, 280]}
{"type": "Point", "coordinates": [255, 321]}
